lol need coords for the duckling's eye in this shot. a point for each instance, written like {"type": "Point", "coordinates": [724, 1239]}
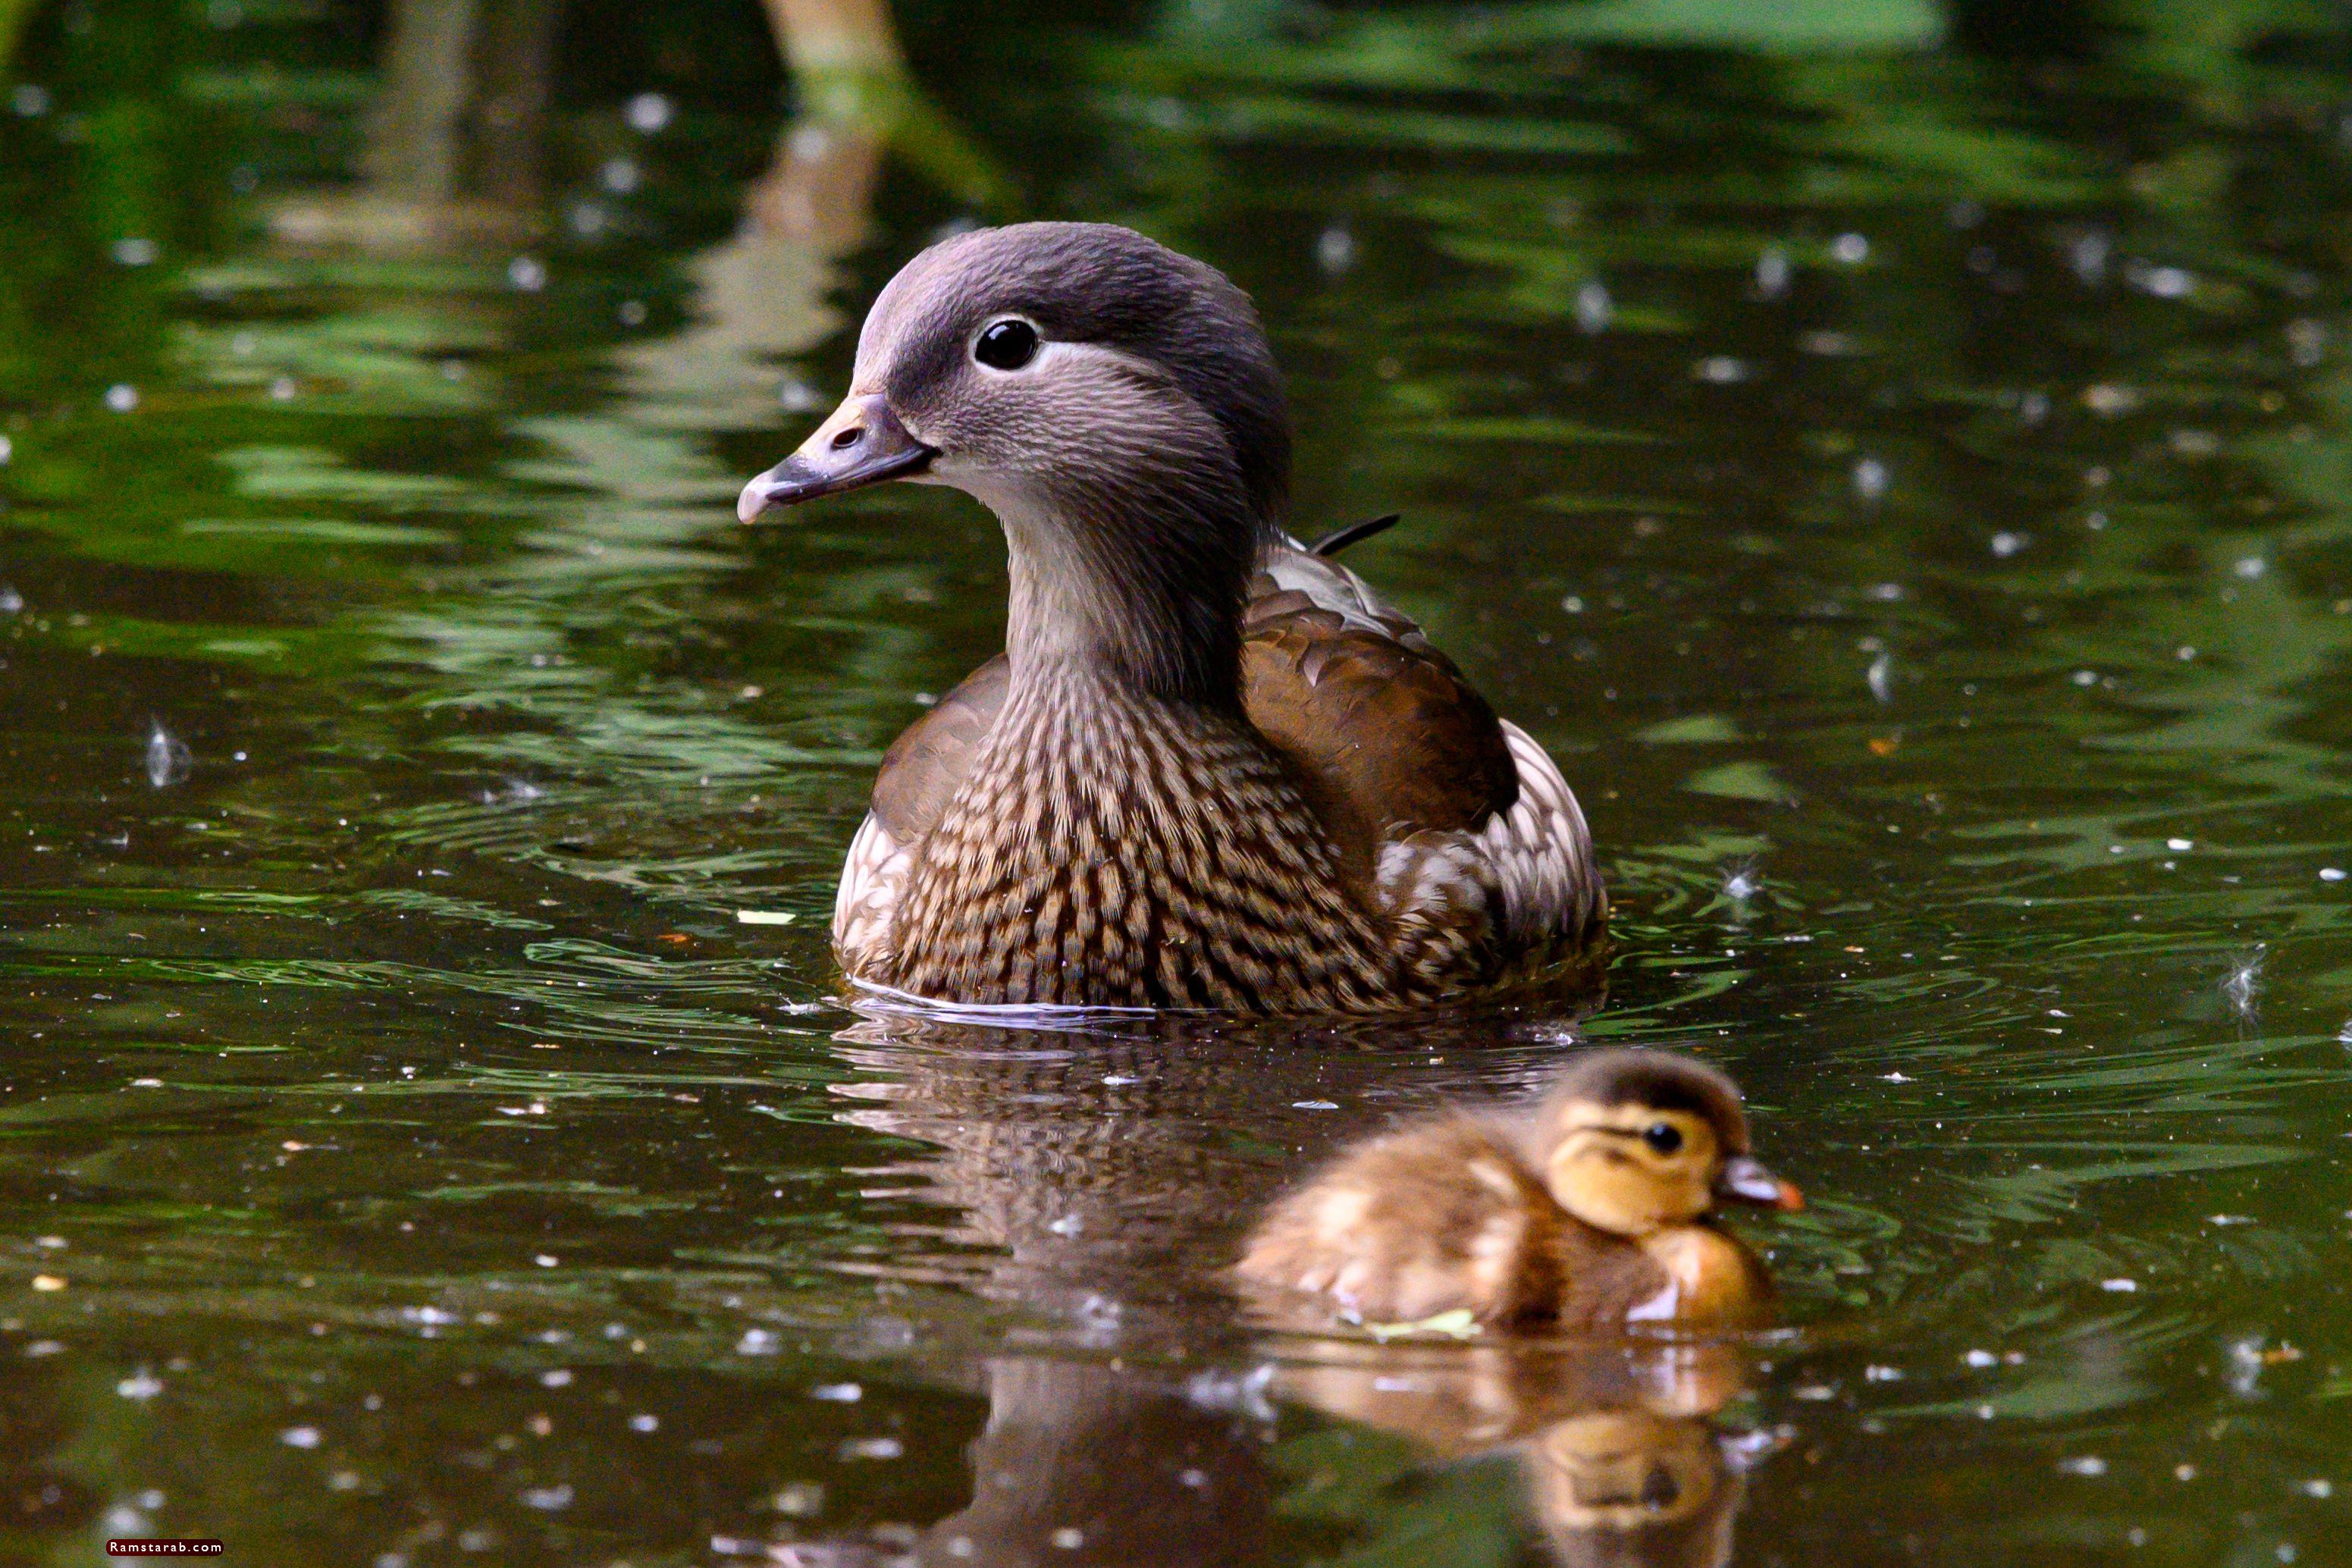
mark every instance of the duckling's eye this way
{"type": "Point", "coordinates": [1662, 1138]}
{"type": "Point", "coordinates": [1005, 345]}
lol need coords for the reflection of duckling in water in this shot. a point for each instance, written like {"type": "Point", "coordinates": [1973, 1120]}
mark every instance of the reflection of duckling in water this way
{"type": "Point", "coordinates": [1620, 1462]}
{"type": "Point", "coordinates": [1590, 1211]}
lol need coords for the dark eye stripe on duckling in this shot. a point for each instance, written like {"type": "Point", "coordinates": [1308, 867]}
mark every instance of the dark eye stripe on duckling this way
{"type": "Point", "coordinates": [1612, 1079]}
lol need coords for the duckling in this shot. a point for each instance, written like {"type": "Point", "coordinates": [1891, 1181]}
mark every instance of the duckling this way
{"type": "Point", "coordinates": [1212, 768]}
{"type": "Point", "coordinates": [1589, 1212]}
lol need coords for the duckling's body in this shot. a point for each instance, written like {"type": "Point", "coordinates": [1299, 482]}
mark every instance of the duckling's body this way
{"type": "Point", "coordinates": [1211, 768]}
{"type": "Point", "coordinates": [1577, 1215]}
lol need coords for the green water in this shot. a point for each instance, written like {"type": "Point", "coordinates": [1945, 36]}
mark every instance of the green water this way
{"type": "Point", "coordinates": [1897, 461]}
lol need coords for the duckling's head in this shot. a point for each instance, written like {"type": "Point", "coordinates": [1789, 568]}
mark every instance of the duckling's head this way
{"type": "Point", "coordinates": [1633, 1141]}
{"type": "Point", "coordinates": [1113, 403]}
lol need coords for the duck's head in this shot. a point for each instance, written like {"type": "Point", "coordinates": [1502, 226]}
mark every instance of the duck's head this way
{"type": "Point", "coordinates": [1113, 403]}
{"type": "Point", "coordinates": [1633, 1141]}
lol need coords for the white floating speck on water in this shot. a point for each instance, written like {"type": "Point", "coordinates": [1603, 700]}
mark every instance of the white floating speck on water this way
{"type": "Point", "coordinates": [141, 1385]}
{"type": "Point", "coordinates": [546, 1259]}
{"type": "Point", "coordinates": [1880, 678]}
{"type": "Point", "coordinates": [132, 252]}
{"type": "Point", "coordinates": [122, 397]}
{"type": "Point", "coordinates": [1897, 1078]}
{"type": "Point", "coordinates": [1068, 1224]}
{"type": "Point", "coordinates": [7, 450]}
{"type": "Point", "coordinates": [1069, 1538]}
{"type": "Point", "coordinates": [1850, 249]}
{"type": "Point", "coordinates": [2229, 1219]}
{"type": "Point", "coordinates": [168, 759]}
{"type": "Point", "coordinates": [1772, 272]}
{"type": "Point", "coordinates": [284, 389]}
{"type": "Point", "coordinates": [1721, 369]}
{"type": "Point", "coordinates": [2331, 873]}
{"type": "Point", "coordinates": [1118, 1080]}
{"type": "Point", "coordinates": [1314, 1105]}
{"type": "Point", "coordinates": [871, 1448]}
{"type": "Point", "coordinates": [2034, 407]}
{"type": "Point", "coordinates": [547, 1500]}
{"type": "Point", "coordinates": [838, 1393]}
{"type": "Point", "coordinates": [632, 313]}
{"type": "Point", "coordinates": [1594, 309]}
{"type": "Point", "coordinates": [2084, 1465]}
{"type": "Point", "coordinates": [1741, 884]}
{"type": "Point", "coordinates": [2181, 845]}
{"type": "Point", "coordinates": [2250, 567]}
{"type": "Point", "coordinates": [30, 100]}
{"type": "Point", "coordinates": [2306, 342]}
{"type": "Point", "coordinates": [648, 112]}
{"type": "Point", "coordinates": [2243, 980]}
{"type": "Point", "coordinates": [2120, 1287]}
{"type": "Point", "coordinates": [1870, 479]}
{"type": "Point", "coordinates": [758, 1342]}
{"type": "Point", "coordinates": [300, 1437]}
{"type": "Point", "coordinates": [2085, 678]}
{"type": "Point", "coordinates": [2088, 256]}
{"type": "Point", "coordinates": [2167, 282]}
{"type": "Point", "coordinates": [2315, 1487]}
{"type": "Point", "coordinates": [12, 603]}
{"type": "Point", "coordinates": [764, 917]}
{"type": "Point", "coordinates": [645, 1422]}
{"type": "Point", "coordinates": [2007, 544]}
{"type": "Point", "coordinates": [1981, 1359]}
{"type": "Point", "coordinates": [1334, 249]}
{"type": "Point", "coordinates": [556, 1378]}
{"type": "Point", "coordinates": [618, 176]}
{"type": "Point", "coordinates": [528, 273]}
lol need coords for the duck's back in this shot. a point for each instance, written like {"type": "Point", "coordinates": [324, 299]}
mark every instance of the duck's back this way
{"type": "Point", "coordinates": [1367, 835]}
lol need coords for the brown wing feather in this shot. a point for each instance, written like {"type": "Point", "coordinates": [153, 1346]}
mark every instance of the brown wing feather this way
{"type": "Point", "coordinates": [1379, 718]}
{"type": "Point", "coordinates": [924, 765]}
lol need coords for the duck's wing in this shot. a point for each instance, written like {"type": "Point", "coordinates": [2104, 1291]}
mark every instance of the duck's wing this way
{"type": "Point", "coordinates": [919, 774]}
{"type": "Point", "coordinates": [1431, 794]}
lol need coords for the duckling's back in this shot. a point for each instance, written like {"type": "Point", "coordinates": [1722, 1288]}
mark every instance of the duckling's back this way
{"type": "Point", "coordinates": [1438, 1217]}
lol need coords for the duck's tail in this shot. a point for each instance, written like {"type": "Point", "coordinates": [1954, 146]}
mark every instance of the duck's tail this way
{"type": "Point", "coordinates": [1331, 543]}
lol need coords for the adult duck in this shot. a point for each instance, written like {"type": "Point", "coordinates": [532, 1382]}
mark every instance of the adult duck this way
{"type": "Point", "coordinates": [1211, 768]}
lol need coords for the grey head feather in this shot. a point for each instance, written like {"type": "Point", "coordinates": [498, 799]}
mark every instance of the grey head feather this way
{"type": "Point", "coordinates": [1099, 283]}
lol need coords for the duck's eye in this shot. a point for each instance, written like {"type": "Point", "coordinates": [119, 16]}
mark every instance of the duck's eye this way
{"type": "Point", "coordinates": [1662, 1138]}
{"type": "Point", "coordinates": [1005, 345]}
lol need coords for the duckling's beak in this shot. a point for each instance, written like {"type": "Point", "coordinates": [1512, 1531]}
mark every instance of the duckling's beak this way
{"type": "Point", "coordinates": [1743, 1179]}
{"type": "Point", "coordinates": [862, 443]}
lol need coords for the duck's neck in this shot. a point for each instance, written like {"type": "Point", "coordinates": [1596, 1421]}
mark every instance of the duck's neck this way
{"type": "Point", "coordinates": [1139, 590]}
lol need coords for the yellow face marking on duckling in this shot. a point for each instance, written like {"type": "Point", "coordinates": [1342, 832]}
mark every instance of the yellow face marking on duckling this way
{"type": "Point", "coordinates": [1632, 1169]}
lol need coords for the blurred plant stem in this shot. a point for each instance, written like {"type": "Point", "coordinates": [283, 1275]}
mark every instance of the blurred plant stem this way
{"type": "Point", "coordinates": [849, 77]}
{"type": "Point", "coordinates": [13, 15]}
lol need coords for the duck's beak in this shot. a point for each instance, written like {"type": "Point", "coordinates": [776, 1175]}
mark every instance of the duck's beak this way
{"type": "Point", "coordinates": [1743, 1179]}
{"type": "Point", "coordinates": [862, 443]}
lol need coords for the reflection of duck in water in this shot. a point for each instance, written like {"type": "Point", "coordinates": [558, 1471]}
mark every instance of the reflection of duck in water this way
{"type": "Point", "coordinates": [1212, 768]}
{"type": "Point", "coordinates": [1590, 1211]}
{"type": "Point", "coordinates": [1621, 1466]}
